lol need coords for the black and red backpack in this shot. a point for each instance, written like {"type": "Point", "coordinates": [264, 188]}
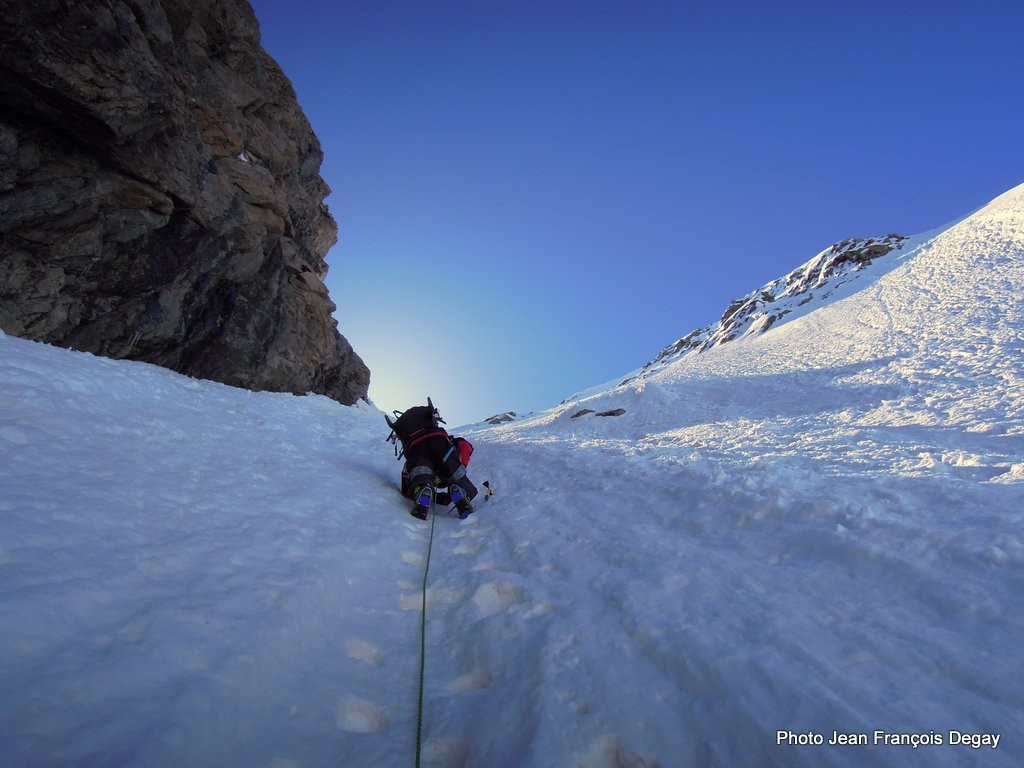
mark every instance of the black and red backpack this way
{"type": "Point", "coordinates": [413, 425]}
{"type": "Point", "coordinates": [418, 423]}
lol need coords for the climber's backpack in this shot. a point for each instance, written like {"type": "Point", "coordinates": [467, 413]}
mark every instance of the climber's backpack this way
{"type": "Point", "coordinates": [413, 425]}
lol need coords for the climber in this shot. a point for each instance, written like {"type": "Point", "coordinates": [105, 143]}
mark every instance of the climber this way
{"type": "Point", "coordinates": [441, 497]}
{"type": "Point", "coordinates": [433, 458]}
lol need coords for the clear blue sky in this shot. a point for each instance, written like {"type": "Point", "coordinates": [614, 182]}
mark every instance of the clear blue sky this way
{"type": "Point", "coordinates": [536, 197]}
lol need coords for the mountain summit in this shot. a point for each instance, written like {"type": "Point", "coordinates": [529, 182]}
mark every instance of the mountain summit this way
{"type": "Point", "coordinates": [816, 281]}
{"type": "Point", "coordinates": [898, 310]}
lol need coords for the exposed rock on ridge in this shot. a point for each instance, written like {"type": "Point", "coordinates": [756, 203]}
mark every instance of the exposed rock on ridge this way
{"type": "Point", "coordinates": [501, 418]}
{"type": "Point", "coordinates": [756, 312]}
{"type": "Point", "coordinates": [160, 196]}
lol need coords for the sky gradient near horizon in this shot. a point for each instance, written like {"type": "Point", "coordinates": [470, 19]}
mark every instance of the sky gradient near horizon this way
{"type": "Point", "coordinates": [535, 198]}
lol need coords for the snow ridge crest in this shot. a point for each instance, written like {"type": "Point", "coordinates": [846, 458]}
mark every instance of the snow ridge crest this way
{"type": "Point", "coordinates": [813, 283]}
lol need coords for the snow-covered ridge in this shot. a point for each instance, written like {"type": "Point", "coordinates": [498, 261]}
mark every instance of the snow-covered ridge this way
{"type": "Point", "coordinates": [810, 286]}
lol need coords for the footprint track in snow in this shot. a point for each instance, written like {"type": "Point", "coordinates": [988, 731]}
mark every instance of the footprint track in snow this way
{"type": "Point", "coordinates": [364, 651]}
{"type": "Point", "coordinates": [413, 601]}
{"type": "Point", "coordinates": [476, 680]}
{"type": "Point", "coordinates": [497, 597]}
{"type": "Point", "coordinates": [445, 752]}
{"type": "Point", "coordinates": [357, 715]}
{"type": "Point", "coordinates": [413, 558]}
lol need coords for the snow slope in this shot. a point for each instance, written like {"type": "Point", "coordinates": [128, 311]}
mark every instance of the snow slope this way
{"type": "Point", "coordinates": [810, 530]}
{"type": "Point", "coordinates": [801, 291]}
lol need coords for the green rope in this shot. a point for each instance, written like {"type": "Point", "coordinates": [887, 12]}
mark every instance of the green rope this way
{"type": "Point", "coordinates": [423, 642]}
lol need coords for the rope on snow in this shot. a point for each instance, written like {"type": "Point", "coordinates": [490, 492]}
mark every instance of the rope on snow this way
{"type": "Point", "coordinates": [423, 642]}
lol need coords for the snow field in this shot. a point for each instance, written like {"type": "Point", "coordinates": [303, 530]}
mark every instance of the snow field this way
{"type": "Point", "coordinates": [810, 531]}
{"type": "Point", "coordinates": [755, 606]}
{"type": "Point", "coordinates": [188, 574]}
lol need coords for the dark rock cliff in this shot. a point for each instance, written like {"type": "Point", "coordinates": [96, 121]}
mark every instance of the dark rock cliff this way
{"type": "Point", "coordinates": [160, 195]}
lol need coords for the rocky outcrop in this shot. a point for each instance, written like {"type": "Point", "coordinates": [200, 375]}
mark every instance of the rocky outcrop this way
{"type": "Point", "coordinates": [587, 411]}
{"type": "Point", "coordinates": [501, 418]}
{"type": "Point", "coordinates": [160, 195]}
